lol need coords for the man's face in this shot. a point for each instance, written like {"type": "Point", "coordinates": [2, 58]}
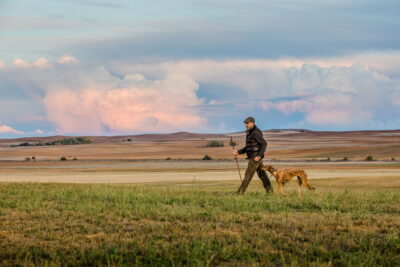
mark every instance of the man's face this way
{"type": "Point", "coordinates": [249, 125]}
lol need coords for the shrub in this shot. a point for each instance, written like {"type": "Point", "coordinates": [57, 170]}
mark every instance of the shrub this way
{"type": "Point", "coordinates": [129, 140]}
{"type": "Point", "coordinates": [207, 157]}
{"type": "Point", "coordinates": [369, 158]}
{"type": "Point", "coordinates": [215, 143]}
{"type": "Point", "coordinates": [63, 158]}
{"type": "Point", "coordinates": [33, 158]}
{"type": "Point", "coordinates": [74, 141]}
{"type": "Point", "coordinates": [168, 158]}
{"type": "Point", "coordinates": [27, 159]}
{"type": "Point", "coordinates": [24, 144]}
{"type": "Point", "coordinates": [345, 159]}
{"type": "Point", "coordinates": [393, 159]}
{"type": "Point", "coordinates": [75, 158]}
{"type": "Point", "coordinates": [328, 159]}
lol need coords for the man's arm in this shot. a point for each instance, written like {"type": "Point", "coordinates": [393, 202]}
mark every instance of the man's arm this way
{"type": "Point", "coordinates": [242, 151]}
{"type": "Point", "coordinates": [263, 144]}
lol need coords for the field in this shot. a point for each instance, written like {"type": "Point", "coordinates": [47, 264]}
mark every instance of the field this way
{"type": "Point", "coordinates": [153, 201]}
{"type": "Point", "coordinates": [346, 222]}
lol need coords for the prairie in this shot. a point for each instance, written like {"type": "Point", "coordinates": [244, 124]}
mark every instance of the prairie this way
{"type": "Point", "coordinates": [346, 222]}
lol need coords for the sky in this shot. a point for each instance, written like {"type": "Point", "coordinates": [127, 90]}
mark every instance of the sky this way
{"type": "Point", "coordinates": [85, 67]}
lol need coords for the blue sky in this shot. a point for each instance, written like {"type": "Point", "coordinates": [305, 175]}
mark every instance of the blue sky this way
{"type": "Point", "coordinates": [126, 67]}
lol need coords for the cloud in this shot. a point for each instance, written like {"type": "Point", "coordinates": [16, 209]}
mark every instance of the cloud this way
{"type": "Point", "coordinates": [360, 90]}
{"type": "Point", "coordinates": [39, 131]}
{"type": "Point", "coordinates": [348, 92]}
{"type": "Point", "coordinates": [8, 130]}
{"type": "Point", "coordinates": [67, 59]}
{"type": "Point", "coordinates": [19, 63]}
{"type": "Point", "coordinates": [2, 65]}
{"type": "Point", "coordinates": [131, 104]}
{"type": "Point", "coordinates": [41, 63]}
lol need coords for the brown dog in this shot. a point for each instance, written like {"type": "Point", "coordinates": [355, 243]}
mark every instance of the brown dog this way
{"type": "Point", "coordinates": [284, 176]}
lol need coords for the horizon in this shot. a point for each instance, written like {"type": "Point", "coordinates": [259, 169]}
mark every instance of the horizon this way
{"type": "Point", "coordinates": [205, 133]}
{"type": "Point", "coordinates": [112, 68]}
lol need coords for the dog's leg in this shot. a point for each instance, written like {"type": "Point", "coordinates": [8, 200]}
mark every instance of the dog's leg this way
{"type": "Point", "coordinates": [305, 182]}
{"type": "Point", "coordinates": [299, 185]}
{"type": "Point", "coordinates": [281, 189]}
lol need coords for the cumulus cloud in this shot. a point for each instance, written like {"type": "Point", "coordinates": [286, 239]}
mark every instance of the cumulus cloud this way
{"type": "Point", "coordinates": [8, 130]}
{"type": "Point", "coordinates": [131, 104]}
{"type": "Point", "coordinates": [19, 63]}
{"type": "Point", "coordinates": [348, 92]}
{"type": "Point", "coordinates": [41, 63]}
{"type": "Point", "coordinates": [39, 131]}
{"type": "Point", "coordinates": [67, 59]}
{"type": "Point", "coordinates": [358, 90]}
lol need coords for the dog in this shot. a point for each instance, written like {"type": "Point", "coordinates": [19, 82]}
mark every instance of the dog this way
{"type": "Point", "coordinates": [285, 175]}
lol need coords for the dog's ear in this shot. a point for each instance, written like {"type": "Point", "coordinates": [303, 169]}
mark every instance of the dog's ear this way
{"type": "Point", "coordinates": [270, 168]}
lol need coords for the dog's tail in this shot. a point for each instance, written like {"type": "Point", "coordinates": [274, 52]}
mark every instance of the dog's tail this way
{"type": "Point", "coordinates": [303, 180]}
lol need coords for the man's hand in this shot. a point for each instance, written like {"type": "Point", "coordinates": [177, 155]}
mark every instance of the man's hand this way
{"type": "Point", "coordinates": [257, 158]}
{"type": "Point", "coordinates": [234, 152]}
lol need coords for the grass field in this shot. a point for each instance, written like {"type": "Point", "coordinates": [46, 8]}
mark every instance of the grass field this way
{"type": "Point", "coordinates": [346, 222]}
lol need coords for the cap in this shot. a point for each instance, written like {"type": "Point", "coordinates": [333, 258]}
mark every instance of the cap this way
{"type": "Point", "coordinates": [249, 119]}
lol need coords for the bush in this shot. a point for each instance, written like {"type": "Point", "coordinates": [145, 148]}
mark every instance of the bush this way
{"type": "Point", "coordinates": [168, 158]}
{"type": "Point", "coordinates": [25, 144]}
{"type": "Point", "coordinates": [215, 143]}
{"type": "Point", "coordinates": [207, 157]}
{"type": "Point", "coordinates": [393, 159]}
{"type": "Point", "coordinates": [27, 159]}
{"type": "Point", "coordinates": [345, 159]}
{"type": "Point", "coordinates": [369, 158]}
{"type": "Point", "coordinates": [129, 140]}
{"type": "Point", "coordinates": [63, 158]}
{"type": "Point", "coordinates": [33, 158]}
{"type": "Point", "coordinates": [75, 158]}
{"type": "Point", "coordinates": [74, 141]}
{"type": "Point", "coordinates": [328, 159]}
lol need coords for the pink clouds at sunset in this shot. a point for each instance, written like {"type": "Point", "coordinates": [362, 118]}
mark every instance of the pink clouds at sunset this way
{"type": "Point", "coordinates": [124, 97]}
{"type": "Point", "coordinates": [128, 105]}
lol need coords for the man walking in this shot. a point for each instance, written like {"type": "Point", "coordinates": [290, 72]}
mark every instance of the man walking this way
{"type": "Point", "coordinates": [255, 148]}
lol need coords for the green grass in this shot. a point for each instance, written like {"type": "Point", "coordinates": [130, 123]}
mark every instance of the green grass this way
{"type": "Point", "coordinates": [199, 224]}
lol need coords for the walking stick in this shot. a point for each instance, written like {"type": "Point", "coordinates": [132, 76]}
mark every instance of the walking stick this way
{"type": "Point", "coordinates": [237, 163]}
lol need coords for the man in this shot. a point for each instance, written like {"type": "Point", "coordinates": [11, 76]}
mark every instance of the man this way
{"type": "Point", "coordinates": [255, 148]}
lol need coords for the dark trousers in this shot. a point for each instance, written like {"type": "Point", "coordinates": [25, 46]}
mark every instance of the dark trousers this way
{"type": "Point", "coordinates": [252, 168]}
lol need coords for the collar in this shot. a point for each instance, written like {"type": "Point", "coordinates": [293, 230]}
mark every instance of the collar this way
{"type": "Point", "coordinates": [251, 130]}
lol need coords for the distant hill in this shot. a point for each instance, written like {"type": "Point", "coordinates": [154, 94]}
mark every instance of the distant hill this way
{"type": "Point", "coordinates": [186, 136]}
{"type": "Point", "coordinates": [178, 136]}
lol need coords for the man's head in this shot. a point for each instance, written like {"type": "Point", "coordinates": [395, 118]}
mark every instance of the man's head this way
{"type": "Point", "coordinates": [249, 122]}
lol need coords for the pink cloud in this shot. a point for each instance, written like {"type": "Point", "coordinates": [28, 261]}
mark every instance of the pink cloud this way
{"type": "Point", "coordinates": [67, 59]}
{"type": "Point", "coordinates": [41, 63]}
{"type": "Point", "coordinates": [140, 105]}
{"type": "Point", "coordinates": [330, 109]}
{"type": "Point", "coordinates": [7, 129]}
{"type": "Point", "coordinates": [19, 63]}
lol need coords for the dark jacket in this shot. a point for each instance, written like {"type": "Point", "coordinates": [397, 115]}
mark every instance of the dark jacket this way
{"type": "Point", "coordinates": [255, 143]}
